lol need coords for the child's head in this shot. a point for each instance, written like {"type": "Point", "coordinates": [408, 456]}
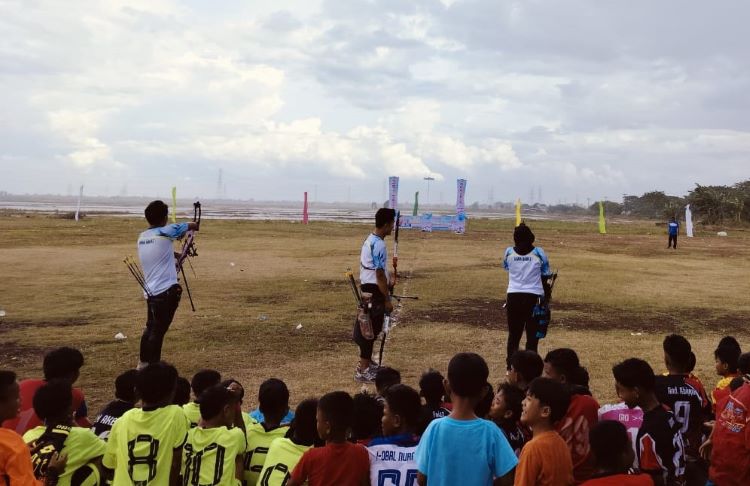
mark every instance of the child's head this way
{"type": "Point", "coordinates": [368, 413]}
{"type": "Point", "coordinates": [431, 387]}
{"type": "Point", "coordinates": [125, 386]}
{"type": "Point", "coordinates": [743, 364]}
{"type": "Point", "coordinates": [401, 411]}
{"type": "Point", "coordinates": [236, 387]}
{"type": "Point", "coordinates": [156, 213]}
{"type": "Point", "coordinates": [467, 376]}
{"type": "Point", "coordinates": [678, 354]}
{"type": "Point", "coordinates": [218, 405]}
{"type": "Point", "coordinates": [525, 365]}
{"type": "Point", "coordinates": [546, 402]}
{"type": "Point", "coordinates": [334, 416]}
{"type": "Point", "coordinates": [155, 383]}
{"type": "Point", "coordinates": [563, 365]}
{"type": "Point", "coordinates": [53, 402]}
{"type": "Point", "coordinates": [506, 405]}
{"type": "Point", "coordinates": [10, 400]}
{"type": "Point", "coordinates": [482, 408]}
{"type": "Point", "coordinates": [611, 446]}
{"type": "Point", "coordinates": [181, 391]}
{"type": "Point", "coordinates": [386, 377]}
{"type": "Point", "coordinates": [303, 429]}
{"type": "Point", "coordinates": [63, 364]}
{"type": "Point", "coordinates": [273, 400]}
{"type": "Point", "coordinates": [727, 354]}
{"type": "Point", "coordinates": [203, 380]}
{"type": "Point", "coordinates": [634, 380]}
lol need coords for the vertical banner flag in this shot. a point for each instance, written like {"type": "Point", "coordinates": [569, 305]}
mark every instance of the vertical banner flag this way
{"type": "Point", "coordinates": [688, 221]}
{"type": "Point", "coordinates": [304, 210]}
{"type": "Point", "coordinates": [460, 221]}
{"type": "Point", "coordinates": [518, 211]}
{"type": "Point", "coordinates": [415, 212]}
{"type": "Point", "coordinates": [393, 192]}
{"type": "Point", "coordinates": [602, 223]}
{"type": "Point", "coordinates": [80, 196]}
{"type": "Point", "coordinates": [174, 204]}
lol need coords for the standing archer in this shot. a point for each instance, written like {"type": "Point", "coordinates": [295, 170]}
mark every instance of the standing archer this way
{"type": "Point", "coordinates": [156, 252]}
{"type": "Point", "coordinates": [373, 278]}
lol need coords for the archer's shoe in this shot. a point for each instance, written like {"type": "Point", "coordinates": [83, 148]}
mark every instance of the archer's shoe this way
{"type": "Point", "coordinates": [366, 376]}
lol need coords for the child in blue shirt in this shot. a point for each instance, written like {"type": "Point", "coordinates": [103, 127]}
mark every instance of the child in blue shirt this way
{"type": "Point", "coordinates": [462, 448]}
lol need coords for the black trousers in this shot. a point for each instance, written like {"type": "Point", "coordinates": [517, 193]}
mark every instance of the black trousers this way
{"type": "Point", "coordinates": [161, 309]}
{"type": "Point", "coordinates": [377, 314]}
{"type": "Point", "coordinates": [672, 239]}
{"type": "Point", "coordinates": [520, 308]}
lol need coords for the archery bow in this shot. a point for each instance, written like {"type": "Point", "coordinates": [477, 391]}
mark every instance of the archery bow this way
{"type": "Point", "coordinates": [387, 318]}
{"type": "Point", "coordinates": [189, 250]}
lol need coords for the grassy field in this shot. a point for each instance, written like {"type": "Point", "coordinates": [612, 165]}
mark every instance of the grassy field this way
{"type": "Point", "coordinates": [64, 283]}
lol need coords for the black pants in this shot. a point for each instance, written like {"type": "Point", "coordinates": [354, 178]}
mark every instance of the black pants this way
{"type": "Point", "coordinates": [672, 239]}
{"type": "Point", "coordinates": [161, 309]}
{"type": "Point", "coordinates": [377, 314]}
{"type": "Point", "coordinates": [520, 308]}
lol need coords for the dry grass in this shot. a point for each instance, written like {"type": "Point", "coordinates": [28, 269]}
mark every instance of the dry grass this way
{"type": "Point", "coordinates": [64, 283]}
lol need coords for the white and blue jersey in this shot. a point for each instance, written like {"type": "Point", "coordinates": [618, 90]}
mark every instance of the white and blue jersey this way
{"type": "Point", "coordinates": [674, 228]}
{"type": "Point", "coordinates": [525, 271]}
{"type": "Point", "coordinates": [156, 252]}
{"type": "Point", "coordinates": [374, 256]}
{"type": "Point", "coordinates": [392, 460]}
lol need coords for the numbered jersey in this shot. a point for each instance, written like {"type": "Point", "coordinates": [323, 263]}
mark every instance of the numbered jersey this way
{"type": "Point", "coordinates": [392, 461]}
{"type": "Point", "coordinates": [79, 444]}
{"type": "Point", "coordinates": [210, 456]}
{"type": "Point", "coordinates": [661, 451]}
{"type": "Point", "coordinates": [631, 418]}
{"type": "Point", "coordinates": [282, 456]}
{"type": "Point", "coordinates": [686, 405]}
{"type": "Point", "coordinates": [258, 442]}
{"type": "Point", "coordinates": [141, 445]}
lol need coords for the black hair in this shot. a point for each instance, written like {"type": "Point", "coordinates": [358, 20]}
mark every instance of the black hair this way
{"type": "Point", "coordinates": [338, 409]}
{"type": "Point", "coordinates": [367, 417]}
{"type": "Point", "coordinates": [736, 382]}
{"type": "Point", "coordinates": [728, 352]}
{"type": "Point", "coordinates": [679, 351]}
{"type": "Point", "coordinates": [155, 212]}
{"type": "Point", "coordinates": [467, 375]}
{"type": "Point", "coordinates": [7, 379]}
{"type": "Point", "coordinates": [53, 400]}
{"type": "Point", "coordinates": [552, 394]}
{"type": "Point", "coordinates": [528, 364]}
{"type": "Point", "coordinates": [523, 237]}
{"type": "Point", "coordinates": [565, 361]}
{"type": "Point", "coordinates": [61, 363]}
{"type": "Point", "coordinates": [513, 397]}
{"type": "Point", "coordinates": [156, 382]}
{"type": "Point", "coordinates": [384, 216]}
{"type": "Point", "coordinates": [482, 408]}
{"type": "Point", "coordinates": [743, 364]}
{"type": "Point", "coordinates": [729, 341]}
{"type": "Point", "coordinates": [404, 401]}
{"type": "Point", "coordinates": [273, 397]}
{"type": "Point", "coordinates": [213, 400]}
{"type": "Point", "coordinates": [431, 387]}
{"type": "Point", "coordinates": [203, 380]}
{"type": "Point", "coordinates": [125, 386]}
{"type": "Point", "coordinates": [634, 372]}
{"type": "Point", "coordinates": [303, 428]}
{"type": "Point", "coordinates": [609, 440]}
{"type": "Point", "coordinates": [181, 391]}
{"type": "Point", "coordinates": [386, 377]}
{"type": "Point", "coordinates": [227, 383]}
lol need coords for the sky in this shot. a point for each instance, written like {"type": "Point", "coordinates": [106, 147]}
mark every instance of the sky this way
{"type": "Point", "coordinates": [547, 101]}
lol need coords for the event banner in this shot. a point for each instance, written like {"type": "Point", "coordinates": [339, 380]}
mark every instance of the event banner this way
{"type": "Point", "coordinates": [688, 221]}
{"type": "Point", "coordinates": [449, 222]}
{"type": "Point", "coordinates": [393, 192]}
{"type": "Point", "coordinates": [460, 196]}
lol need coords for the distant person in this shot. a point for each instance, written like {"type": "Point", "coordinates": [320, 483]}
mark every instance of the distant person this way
{"type": "Point", "coordinates": [524, 367]}
{"type": "Point", "coordinates": [61, 364]}
{"type": "Point", "coordinates": [673, 228]}
{"type": "Point", "coordinates": [614, 457]}
{"type": "Point", "coordinates": [125, 399]}
{"type": "Point", "coordinates": [432, 389]}
{"type": "Point", "coordinates": [373, 277]}
{"type": "Point", "coordinates": [157, 256]}
{"type": "Point", "coordinates": [527, 268]}
{"type": "Point", "coordinates": [202, 381]}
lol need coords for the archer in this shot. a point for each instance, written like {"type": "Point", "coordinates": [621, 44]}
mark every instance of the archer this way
{"type": "Point", "coordinates": [156, 253]}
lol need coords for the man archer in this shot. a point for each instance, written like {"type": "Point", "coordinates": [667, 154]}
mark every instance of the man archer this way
{"type": "Point", "coordinates": [373, 278]}
{"type": "Point", "coordinates": [156, 253]}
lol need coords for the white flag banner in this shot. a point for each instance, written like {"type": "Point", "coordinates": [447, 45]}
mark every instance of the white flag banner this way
{"type": "Point", "coordinates": [688, 221]}
{"type": "Point", "coordinates": [80, 196]}
{"type": "Point", "coordinates": [393, 192]}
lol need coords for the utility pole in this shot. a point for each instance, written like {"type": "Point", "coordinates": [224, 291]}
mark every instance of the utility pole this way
{"type": "Point", "coordinates": [428, 179]}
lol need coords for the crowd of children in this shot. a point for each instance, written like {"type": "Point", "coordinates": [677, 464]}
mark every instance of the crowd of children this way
{"type": "Point", "coordinates": [542, 426]}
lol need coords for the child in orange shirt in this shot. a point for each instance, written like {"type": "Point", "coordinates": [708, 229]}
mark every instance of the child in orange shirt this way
{"type": "Point", "coordinates": [727, 355]}
{"type": "Point", "coordinates": [545, 459]}
{"type": "Point", "coordinates": [614, 456]}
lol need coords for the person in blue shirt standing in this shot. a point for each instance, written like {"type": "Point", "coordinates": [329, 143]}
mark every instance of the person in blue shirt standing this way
{"type": "Point", "coordinates": [156, 253]}
{"type": "Point", "coordinates": [528, 269]}
{"type": "Point", "coordinates": [673, 227]}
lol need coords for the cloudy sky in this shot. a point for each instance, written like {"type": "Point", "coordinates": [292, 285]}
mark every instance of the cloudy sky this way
{"type": "Point", "coordinates": [583, 99]}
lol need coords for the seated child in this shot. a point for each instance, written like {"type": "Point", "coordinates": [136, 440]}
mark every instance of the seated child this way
{"type": "Point", "coordinates": [743, 366]}
{"type": "Point", "coordinates": [729, 444]}
{"type": "Point", "coordinates": [727, 355]}
{"type": "Point", "coordinates": [384, 378]}
{"type": "Point", "coordinates": [545, 460]}
{"type": "Point", "coordinates": [202, 380]}
{"type": "Point", "coordinates": [273, 397]}
{"type": "Point", "coordinates": [339, 462]}
{"type": "Point", "coordinates": [506, 413]}
{"type": "Point", "coordinates": [613, 456]}
{"type": "Point", "coordinates": [368, 413]}
{"type": "Point", "coordinates": [181, 392]}
{"type": "Point", "coordinates": [484, 405]}
{"type": "Point", "coordinates": [125, 399]}
{"type": "Point", "coordinates": [525, 366]}
{"type": "Point", "coordinates": [432, 390]}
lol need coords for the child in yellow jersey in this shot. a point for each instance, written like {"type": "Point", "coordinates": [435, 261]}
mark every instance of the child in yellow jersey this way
{"type": "Point", "coordinates": [145, 444]}
{"type": "Point", "coordinates": [202, 381]}
{"type": "Point", "coordinates": [286, 452]}
{"type": "Point", "coordinates": [215, 449]}
{"type": "Point", "coordinates": [53, 404]}
{"type": "Point", "coordinates": [274, 404]}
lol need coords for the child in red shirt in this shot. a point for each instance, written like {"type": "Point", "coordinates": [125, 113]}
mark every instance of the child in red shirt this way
{"type": "Point", "coordinates": [339, 463]}
{"type": "Point", "coordinates": [613, 457]}
{"type": "Point", "coordinates": [729, 445]}
{"type": "Point", "coordinates": [727, 355]}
